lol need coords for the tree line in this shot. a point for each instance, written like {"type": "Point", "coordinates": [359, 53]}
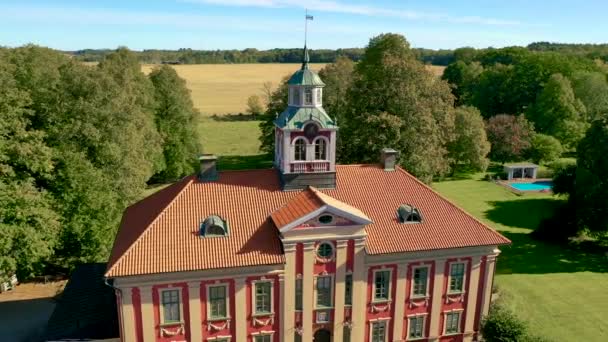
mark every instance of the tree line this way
{"type": "Point", "coordinates": [190, 56]}
{"type": "Point", "coordinates": [78, 144]}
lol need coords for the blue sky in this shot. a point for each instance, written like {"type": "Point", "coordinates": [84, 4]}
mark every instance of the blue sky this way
{"type": "Point", "coordinates": [265, 24]}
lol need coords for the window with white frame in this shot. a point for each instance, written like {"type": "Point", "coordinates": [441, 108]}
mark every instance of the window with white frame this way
{"type": "Point", "coordinates": [378, 332]}
{"type": "Point", "coordinates": [170, 301]}
{"type": "Point", "coordinates": [320, 149]}
{"type": "Point", "coordinates": [308, 96]}
{"type": "Point", "coordinates": [299, 294]}
{"type": "Point", "coordinates": [420, 281]}
{"type": "Point", "coordinates": [416, 327]}
{"type": "Point", "coordinates": [457, 277]}
{"type": "Point", "coordinates": [348, 289]}
{"type": "Point", "coordinates": [263, 338]}
{"type": "Point", "coordinates": [217, 301]}
{"type": "Point", "coordinates": [452, 322]}
{"type": "Point", "coordinates": [324, 291]}
{"type": "Point", "coordinates": [382, 283]}
{"type": "Point", "coordinates": [263, 297]}
{"type": "Point", "coordinates": [299, 150]}
{"type": "Point", "coordinates": [297, 337]}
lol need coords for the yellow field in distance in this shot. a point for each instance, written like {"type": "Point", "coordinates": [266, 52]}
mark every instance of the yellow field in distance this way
{"type": "Point", "coordinates": [224, 88]}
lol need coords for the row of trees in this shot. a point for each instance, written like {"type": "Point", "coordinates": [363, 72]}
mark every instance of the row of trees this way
{"type": "Point", "coordinates": [389, 99]}
{"type": "Point", "coordinates": [189, 56]}
{"type": "Point", "coordinates": [77, 145]}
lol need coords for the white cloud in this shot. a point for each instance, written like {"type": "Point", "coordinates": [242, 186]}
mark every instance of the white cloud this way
{"type": "Point", "coordinates": [339, 7]}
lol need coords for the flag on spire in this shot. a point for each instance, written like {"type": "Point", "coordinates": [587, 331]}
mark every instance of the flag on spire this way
{"type": "Point", "coordinates": [309, 17]}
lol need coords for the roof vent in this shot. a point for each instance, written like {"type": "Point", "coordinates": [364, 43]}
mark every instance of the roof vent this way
{"type": "Point", "coordinates": [208, 172]}
{"type": "Point", "coordinates": [212, 226]}
{"type": "Point", "coordinates": [388, 158]}
{"type": "Point", "coordinates": [407, 213]}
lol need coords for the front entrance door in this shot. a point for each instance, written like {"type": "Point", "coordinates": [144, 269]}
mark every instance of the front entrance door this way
{"type": "Point", "coordinates": [322, 335]}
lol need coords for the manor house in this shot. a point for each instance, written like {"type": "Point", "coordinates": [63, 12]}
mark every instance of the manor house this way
{"type": "Point", "coordinates": [306, 251]}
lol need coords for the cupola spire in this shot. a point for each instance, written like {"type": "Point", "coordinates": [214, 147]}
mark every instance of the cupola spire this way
{"type": "Point", "coordinates": [305, 57]}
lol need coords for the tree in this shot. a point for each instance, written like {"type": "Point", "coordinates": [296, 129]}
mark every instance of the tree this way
{"type": "Point", "coordinates": [591, 183]}
{"type": "Point", "coordinates": [509, 135]}
{"type": "Point", "coordinates": [254, 105]}
{"type": "Point", "coordinates": [591, 89]}
{"type": "Point", "coordinates": [557, 112]}
{"type": "Point", "coordinates": [544, 148]}
{"type": "Point", "coordinates": [28, 222]}
{"type": "Point", "coordinates": [277, 104]}
{"type": "Point", "coordinates": [177, 122]}
{"type": "Point", "coordinates": [462, 77]}
{"type": "Point", "coordinates": [470, 146]}
{"type": "Point", "coordinates": [338, 77]}
{"type": "Point", "coordinates": [390, 83]}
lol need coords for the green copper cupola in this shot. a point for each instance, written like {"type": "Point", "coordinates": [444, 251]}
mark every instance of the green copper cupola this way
{"type": "Point", "coordinates": [305, 135]}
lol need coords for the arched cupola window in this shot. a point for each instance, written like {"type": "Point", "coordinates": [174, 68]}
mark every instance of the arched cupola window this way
{"type": "Point", "coordinates": [299, 149]}
{"type": "Point", "coordinates": [214, 225]}
{"type": "Point", "coordinates": [320, 149]}
{"type": "Point", "coordinates": [408, 214]}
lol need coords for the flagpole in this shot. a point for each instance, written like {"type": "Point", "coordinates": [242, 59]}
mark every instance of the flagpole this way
{"type": "Point", "coordinates": [305, 26]}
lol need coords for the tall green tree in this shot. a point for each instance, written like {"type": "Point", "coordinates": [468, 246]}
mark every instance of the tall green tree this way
{"type": "Point", "coordinates": [558, 112]}
{"type": "Point", "coordinates": [395, 87]}
{"type": "Point", "coordinates": [510, 137]}
{"type": "Point", "coordinates": [544, 149]}
{"type": "Point", "coordinates": [177, 122]}
{"type": "Point", "coordinates": [591, 183]}
{"type": "Point", "coordinates": [276, 105]}
{"type": "Point", "coordinates": [28, 222]}
{"type": "Point", "coordinates": [470, 146]}
{"type": "Point", "coordinates": [591, 88]}
{"type": "Point", "coordinates": [462, 77]}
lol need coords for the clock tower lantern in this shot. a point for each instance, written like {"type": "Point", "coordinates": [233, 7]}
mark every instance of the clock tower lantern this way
{"type": "Point", "coordinates": [305, 135]}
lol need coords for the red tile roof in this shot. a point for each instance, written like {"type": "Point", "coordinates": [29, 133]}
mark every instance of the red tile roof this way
{"type": "Point", "coordinates": [160, 233]}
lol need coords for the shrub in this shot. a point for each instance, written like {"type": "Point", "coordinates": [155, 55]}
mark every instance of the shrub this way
{"type": "Point", "coordinates": [501, 325]}
{"type": "Point", "coordinates": [545, 148]}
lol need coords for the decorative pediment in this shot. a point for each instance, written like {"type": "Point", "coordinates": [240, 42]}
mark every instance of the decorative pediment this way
{"type": "Point", "coordinates": [314, 209]}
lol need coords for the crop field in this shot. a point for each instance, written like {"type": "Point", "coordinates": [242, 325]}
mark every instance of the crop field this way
{"type": "Point", "coordinates": [220, 93]}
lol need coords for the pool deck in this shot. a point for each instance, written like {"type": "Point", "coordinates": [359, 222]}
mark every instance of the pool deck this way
{"type": "Point", "coordinates": [507, 184]}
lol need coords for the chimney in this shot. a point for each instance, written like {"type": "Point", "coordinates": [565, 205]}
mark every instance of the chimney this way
{"type": "Point", "coordinates": [388, 158]}
{"type": "Point", "coordinates": [208, 172]}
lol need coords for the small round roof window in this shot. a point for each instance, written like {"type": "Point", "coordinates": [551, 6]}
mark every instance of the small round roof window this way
{"type": "Point", "coordinates": [326, 219]}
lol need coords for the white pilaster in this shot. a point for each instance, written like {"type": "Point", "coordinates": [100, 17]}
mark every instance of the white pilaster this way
{"type": "Point", "coordinates": [400, 301]}
{"type": "Point", "coordinates": [489, 280]}
{"type": "Point", "coordinates": [128, 315]}
{"type": "Point", "coordinates": [341, 254]}
{"type": "Point", "coordinates": [471, 308]}
{"type": "Point", "coordinates": [288, 294]}
{"type": "Point", "coordinates": [194, 301]}
{"type": "Point", "coordinates": [437, 299]}
{"type": "Point", "coordinates": [359, 306]}
{"type": "Point", "coordinates": [147, 313]}
{"type": "Point", "coordinates": [332, 151]}
{"type": "Point", "coordinates": [240, 312]}
{"type": "Point", "coordinates": [307, 291]}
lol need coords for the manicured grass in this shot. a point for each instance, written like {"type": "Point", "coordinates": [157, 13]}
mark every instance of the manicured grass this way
{"type": "Point", "coordinates": [560, 291]}
{"type": "Point", "coordinates": [229, 137]}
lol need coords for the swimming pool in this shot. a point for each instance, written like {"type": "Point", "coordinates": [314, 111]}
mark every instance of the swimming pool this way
{"type": "Point", "coordinates": [535, 186]}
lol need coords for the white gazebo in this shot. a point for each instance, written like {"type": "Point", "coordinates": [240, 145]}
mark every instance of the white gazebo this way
{"type": "Point", "coordinates": [521, 171]}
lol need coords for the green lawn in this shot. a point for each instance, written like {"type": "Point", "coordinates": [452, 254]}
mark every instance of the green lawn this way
{"type": "Point", "coordinates": [562, 292]}
{"type": "Point", "coordinates": [230, 136]}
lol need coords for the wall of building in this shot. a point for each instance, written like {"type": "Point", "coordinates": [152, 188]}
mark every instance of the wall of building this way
{"type": "Point", "coordinates": [140, 308]}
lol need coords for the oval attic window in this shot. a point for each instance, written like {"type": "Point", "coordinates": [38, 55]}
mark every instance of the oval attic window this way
{"type": "Point", "coordinates": [326, 219]}
{"type": "Point", "coordinates": [325, 250]}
